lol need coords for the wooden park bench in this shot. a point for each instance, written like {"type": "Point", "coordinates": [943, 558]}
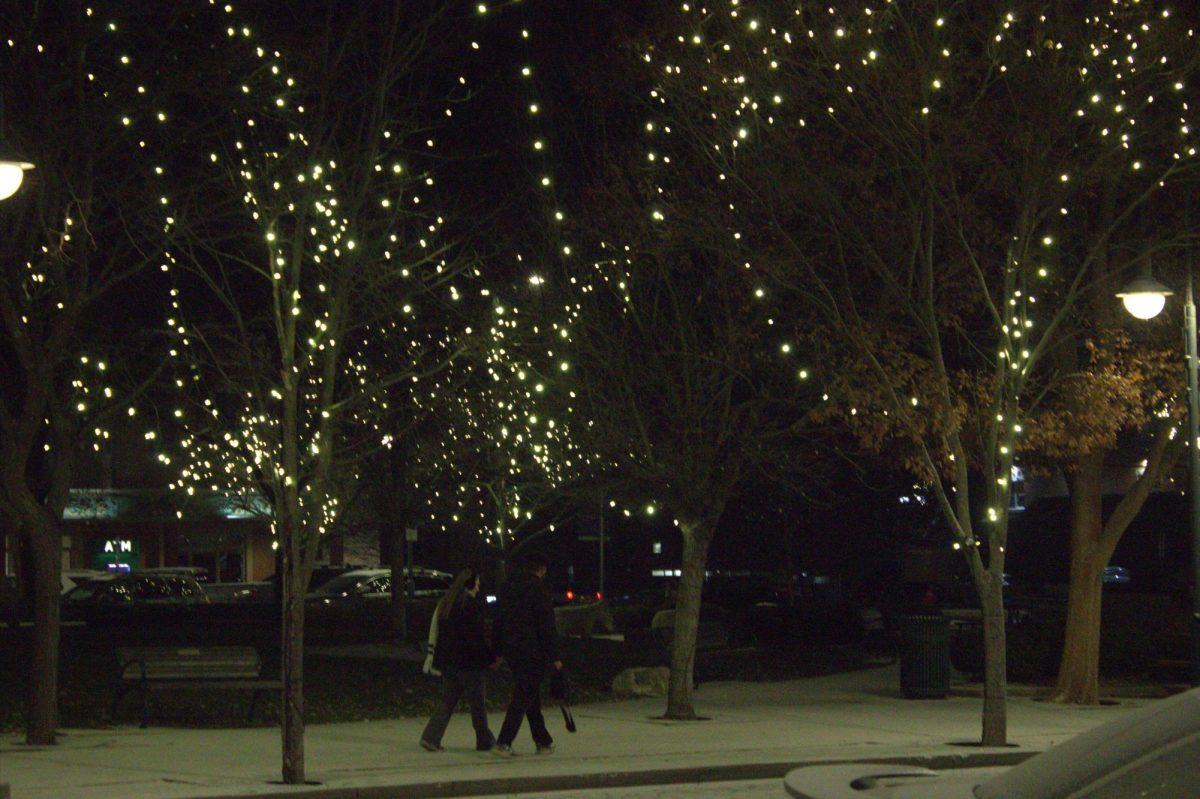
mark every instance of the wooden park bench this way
{"type": "Point", "coordinates": [714, 640]}
{"type": "Point", "coordinates": [157, 668]}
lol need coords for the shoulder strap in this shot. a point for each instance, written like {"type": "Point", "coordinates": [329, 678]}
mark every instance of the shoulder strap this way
{"type": "Point", "coordinates": [433, 627]}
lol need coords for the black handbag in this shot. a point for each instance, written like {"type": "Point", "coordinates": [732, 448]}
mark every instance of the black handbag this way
{"type": "Point", "coordinates": [560, 690]}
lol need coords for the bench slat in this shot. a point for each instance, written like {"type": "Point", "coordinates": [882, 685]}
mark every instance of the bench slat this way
{"type": "Point", "coordinates": [233, 685]}
{"type": "Point", "coordinates": [186, 663]}
{"type": "Point", "coordinates": [165, 673]}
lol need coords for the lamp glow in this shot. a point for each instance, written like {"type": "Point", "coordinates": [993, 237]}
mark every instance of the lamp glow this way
{"type": "Point", "coordinates": [1144, 305]}
{"type": "Point", "coordinates": [12, 173]}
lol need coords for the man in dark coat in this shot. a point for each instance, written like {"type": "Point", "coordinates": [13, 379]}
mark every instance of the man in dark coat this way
{"type": "Point", "coordinates": [527, 639]}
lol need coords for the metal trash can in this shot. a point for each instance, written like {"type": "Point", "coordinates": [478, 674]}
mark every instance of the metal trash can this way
{"type": "Point", "coordinates": [925, 656]}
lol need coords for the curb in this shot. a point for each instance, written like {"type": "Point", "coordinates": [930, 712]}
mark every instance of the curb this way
{"type": "Point", "coordinates": [624, 779]}
{"type": "Point", "coordinates": [1109, 694]}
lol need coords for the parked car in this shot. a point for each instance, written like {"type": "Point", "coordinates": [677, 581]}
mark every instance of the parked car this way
{"type": "Point", "coordinates": [198, 573]}
{"type": "Point", "coordinates": [323, 574]}
{"type": "Point", "coordinates": [119, 595]}
{"type": "Point", "coordinates": [1151, 751]}
{"type": "Point", "coordinates": [1117, 576]}
{"type": "Point", "coordinates": [569, 596]}
{"type": "Point", "coordinates": [239, 593]}
{"type": "Point", "coordinates": [367, 584]}
{"type": "Point", "coordinates": [357, 604]}
{"type": "Point", "coordinates": [69, 578]}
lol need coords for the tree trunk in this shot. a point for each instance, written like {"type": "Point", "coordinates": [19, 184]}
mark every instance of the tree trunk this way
{"type": "Point", "coordinates": [392, 542]}
{"type": "Point", "coordinates": [297, 549]}
{"type": "Point", "coordinates": [292, 668]}
{"type": "Point", "coordinates": [687, 621]}
{"type": "Point", "coordinates": [45, 551]}
{"type": "Point", "coordinates": [995, 664]}
{"type": "Point", "coordinates": [1093, 541]}
{"type": "Point", "coordinates": [1079, 672]}
{"type": "Point", "coordinates": [391, 506]}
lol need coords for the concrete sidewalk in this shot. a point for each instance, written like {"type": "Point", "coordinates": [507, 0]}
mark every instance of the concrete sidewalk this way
{"type": "Point", "coordinates": [754, 730]}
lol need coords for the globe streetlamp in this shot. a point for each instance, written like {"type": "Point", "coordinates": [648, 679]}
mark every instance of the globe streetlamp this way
{"type": "Point", "coordinates": [12, 173]}
{"type": "Point", "coordinates": [1145, 298]}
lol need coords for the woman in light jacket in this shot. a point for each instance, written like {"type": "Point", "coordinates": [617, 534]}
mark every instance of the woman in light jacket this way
{"type": "Point", "coordinates": [464, 657]}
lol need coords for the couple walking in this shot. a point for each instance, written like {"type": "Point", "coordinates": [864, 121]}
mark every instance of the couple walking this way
{"type": "Point", "coordinates": [524, 637]}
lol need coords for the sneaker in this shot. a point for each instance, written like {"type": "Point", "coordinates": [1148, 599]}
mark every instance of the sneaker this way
{"type": "Point", "coordinates": [500, 750]}
{"type": "Point", "coordinates": [430, 747]}
{"type": "Point", "coordinates": [548, 749]}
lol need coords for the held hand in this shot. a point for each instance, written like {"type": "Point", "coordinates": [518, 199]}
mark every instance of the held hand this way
{"type": "Point", "coordinates": [558, 665]}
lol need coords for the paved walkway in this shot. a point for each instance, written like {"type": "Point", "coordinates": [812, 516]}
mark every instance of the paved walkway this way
{"type": "Point", "coordinates": [754, 730]}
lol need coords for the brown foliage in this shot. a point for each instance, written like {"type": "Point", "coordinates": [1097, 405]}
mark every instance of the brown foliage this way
{"type": "Point", "coordinates": [1121, 384]}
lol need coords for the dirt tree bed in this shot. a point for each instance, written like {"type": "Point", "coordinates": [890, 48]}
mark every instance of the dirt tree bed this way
{"type": "Point", "coordinates": [338, 687]}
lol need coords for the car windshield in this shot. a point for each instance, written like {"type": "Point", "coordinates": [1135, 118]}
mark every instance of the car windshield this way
{"type": "Point", "coordinates": [377, 585]}
{"type": "Point", "coordinates": [187, 588]}
{"type": "Point", "coordinates": [85, 590]}
{"type": "Point", "coordinates": [343, 584]}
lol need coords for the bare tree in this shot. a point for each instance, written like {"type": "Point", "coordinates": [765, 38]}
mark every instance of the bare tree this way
{"type": "Point", "coordinates": [655, 377]}
{"type": "Point", "coordinates": [636, 360]}
{"type": "Point", "coordinates": [75, 237]}
{"type": "Point", "coordinates": [321, 279]}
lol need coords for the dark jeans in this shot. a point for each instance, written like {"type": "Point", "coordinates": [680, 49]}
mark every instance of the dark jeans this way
{"type": "Point", "coordinates": [526, 703]}
{"type": "Point", "coordinates": [454, 684]}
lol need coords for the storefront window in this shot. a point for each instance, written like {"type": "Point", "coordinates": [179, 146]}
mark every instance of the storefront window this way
{"type": "Point", "coordinates": [222, 559]}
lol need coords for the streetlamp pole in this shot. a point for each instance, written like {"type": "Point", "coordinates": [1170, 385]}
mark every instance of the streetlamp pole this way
{"type": "Point", "coordinates": [601, 587]}
{"type": "Point", "coordinates": [12, 172]}
{"type": "Point", "coordinates": [1189, 332]}
{"type": "Point", "coordinates": [1144, 298]}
